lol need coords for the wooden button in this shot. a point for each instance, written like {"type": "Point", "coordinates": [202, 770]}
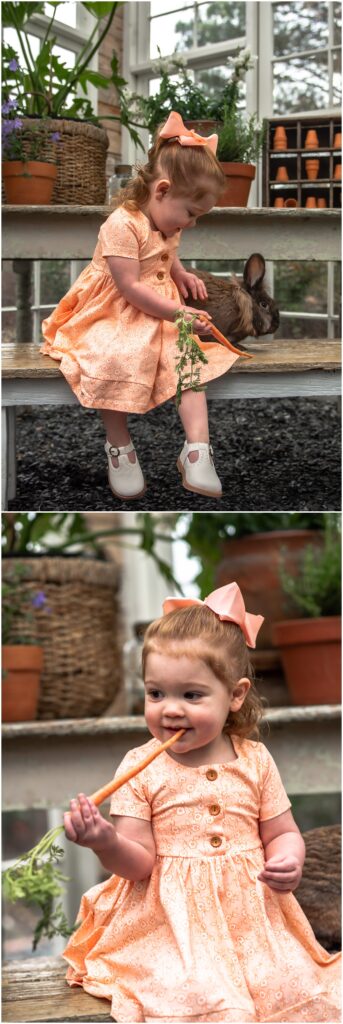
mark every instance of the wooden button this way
{"type": "Point", "coordinates": [164, 256]}
{"type": "Point", "coordinates": [216, 841]}
{"type": "Point", "coordinates": [160, 275]}
{"type": "Point", "coordinates": [214, 809]}
{"type": "Point", "coordinates": [211, 774]}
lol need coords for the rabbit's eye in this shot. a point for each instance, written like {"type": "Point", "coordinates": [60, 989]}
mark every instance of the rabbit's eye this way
{"type": "Point", "coordinates": [265, 305]}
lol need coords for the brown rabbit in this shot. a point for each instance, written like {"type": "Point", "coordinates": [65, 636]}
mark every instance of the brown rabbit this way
{"type": "Point", "coordinates": [239, 308]}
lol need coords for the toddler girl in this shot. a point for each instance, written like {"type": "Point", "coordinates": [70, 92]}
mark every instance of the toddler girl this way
{"type": "Point", "coordinates": [114, 331]}
{"type": "Point", "coordinates": [198, 921]}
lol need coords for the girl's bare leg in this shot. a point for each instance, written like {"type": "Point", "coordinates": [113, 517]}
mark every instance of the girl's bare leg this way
{"type": "Point", "coordinates": [193, 415]}
{"type": "Point", "coordinates": [117, 433]}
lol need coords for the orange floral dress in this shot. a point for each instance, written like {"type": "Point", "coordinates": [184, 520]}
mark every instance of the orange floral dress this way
{"type": "Point", "coordinates": [113, 355]}
{"type": "Point", "coordinates": [202, 939]}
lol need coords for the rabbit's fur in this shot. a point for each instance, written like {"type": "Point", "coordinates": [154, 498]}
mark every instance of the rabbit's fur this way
{"type": "Point", "coordinates": [239, 308]}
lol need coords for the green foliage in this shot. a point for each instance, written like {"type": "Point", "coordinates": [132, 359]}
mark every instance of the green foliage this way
{"type": "Point", "coordinates": [241, 139]}
{"type": "Point", "coordinates": [44, 86]}
{"type": "Point", "coordinates": [317, 588]}
{"type": "Point", "coordinates": [188, 366]}
{"type": "Point", "coordinates": [67, 533]}
{"type": "Point", "coordinates": [35, 879]}
{"type": "Point", "coordinates": [191, 101]}
{"type": "Point", "coordinates": [205, 534]}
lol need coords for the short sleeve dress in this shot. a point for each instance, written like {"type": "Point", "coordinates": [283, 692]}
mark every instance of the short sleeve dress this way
{"type": "Point", "coordinates": [202, 939]}
{"type": "Point", "coordinates": [113, 355]}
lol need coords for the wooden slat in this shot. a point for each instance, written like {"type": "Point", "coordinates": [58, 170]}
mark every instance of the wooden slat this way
{"type": "Point", "coordinates": [36, 990]}
{"type": "Point", "coordinates": [277, 356]}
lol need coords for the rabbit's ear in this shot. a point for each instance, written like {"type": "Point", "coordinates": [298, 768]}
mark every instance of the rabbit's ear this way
{"type": "Point", "coordinates": [254, 270]}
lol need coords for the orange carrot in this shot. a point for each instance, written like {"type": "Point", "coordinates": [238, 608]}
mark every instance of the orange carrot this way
{"type": "Point", "coordinates": [221, 337]}
{"type": "Point", "coordinates": [100, 795]}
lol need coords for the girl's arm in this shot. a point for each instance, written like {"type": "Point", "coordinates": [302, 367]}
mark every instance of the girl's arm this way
{"type": "Point", "coordinates": [284, 850]}
{"type": "Point", "coordinates": [125, 273]}
{"type": "Point", "coordinates": [126, 848]}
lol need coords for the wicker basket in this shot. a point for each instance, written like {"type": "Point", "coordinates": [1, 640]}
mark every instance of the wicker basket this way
{"type": "Point", "coordinates": [79, 630]}
{"type": "Point", "coordinates": [81, 159]}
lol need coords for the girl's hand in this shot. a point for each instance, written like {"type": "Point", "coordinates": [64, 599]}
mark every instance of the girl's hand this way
{"type": "Point", "coordinates": [281, 873]}
{"type": "Point", "coordinates": [85, 825]}
{"type": "Point", "coordinates": [199, 326]}
{"type": "Point", "coordinates": [190, 283]}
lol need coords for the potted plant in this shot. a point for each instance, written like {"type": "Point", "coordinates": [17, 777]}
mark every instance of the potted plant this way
{"type": "Point", "coordinates": [310, 646]}
{"type": "Point", "coordinates": [82, 636]}
{"type": "Point", "coordinates": [22, 656]}
{"type": "Point", "coordinates": [45, 92]}
{"type": "Point", "coordinates": [241, 139]}
{"type": "Point", "coordinates": [27, 177]}
{"type": "Point", "coordinates": [249, 548]}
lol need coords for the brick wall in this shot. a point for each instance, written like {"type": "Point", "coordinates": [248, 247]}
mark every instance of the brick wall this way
{"type": "Point", "coordinates": [108, 98]}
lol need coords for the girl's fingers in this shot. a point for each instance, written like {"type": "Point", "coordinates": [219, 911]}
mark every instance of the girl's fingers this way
{"type": "Point", "coordinates": [68, 827]}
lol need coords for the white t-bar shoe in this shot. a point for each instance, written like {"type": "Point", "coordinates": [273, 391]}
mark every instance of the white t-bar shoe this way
{"type": "Point", "coordinates": [126, 480]}
{"type": "Point", "coordinates": [199, 476]}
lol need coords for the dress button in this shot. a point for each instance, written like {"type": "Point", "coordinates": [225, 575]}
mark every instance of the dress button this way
{"type": "Point", "coordinates": [211, 774]}
{"type": "Point", "coordinates": [164, 256]}
{"type": "Point", "coordinates": [214, 809]}
{"type": "Point", "coordinates": [216, 841]}
{"type": "Point", "coordinates": [160, 275]}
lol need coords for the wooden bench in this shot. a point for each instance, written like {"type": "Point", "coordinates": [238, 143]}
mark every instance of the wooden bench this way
{"type": "Point", "coordinates": [35, 989]}
{"type": "Point", "coordinates": [280, 369]}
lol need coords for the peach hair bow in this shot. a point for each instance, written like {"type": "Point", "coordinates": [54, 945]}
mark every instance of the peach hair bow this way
{"type": "Point", "coordinates": [175, 128]}
{"type": "Point", "coordinates": [228, 604]}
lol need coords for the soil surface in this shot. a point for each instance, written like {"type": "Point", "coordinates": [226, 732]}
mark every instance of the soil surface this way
{"type": "Point", "coordinates": [278, 455]}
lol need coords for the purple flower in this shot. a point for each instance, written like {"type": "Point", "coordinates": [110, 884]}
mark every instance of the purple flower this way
{"type": "Point", "coordinates": [13, 64]}
{"type": "Point", "coordinates": [7, 128]}
{"type": "Point", "coordinates": [17, 123]}
{"type": "Point", "coordinates": [55, 137]}
{"type": "Point", "coordinates": [39, 601]}
{"type": "Point", "coordinates": [8, 106]}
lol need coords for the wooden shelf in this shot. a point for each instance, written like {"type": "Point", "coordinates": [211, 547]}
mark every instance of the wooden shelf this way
{"type": "Point", "coordinates": [296, 154]}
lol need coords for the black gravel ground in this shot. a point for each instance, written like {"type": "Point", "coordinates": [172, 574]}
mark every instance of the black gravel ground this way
{"type": "Point", "coordinates": [281, 455]}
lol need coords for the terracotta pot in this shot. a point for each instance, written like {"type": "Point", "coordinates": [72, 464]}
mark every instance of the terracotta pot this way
{"type": "Point", "coordinates": [312, 168]}
{"type": "Point", "coordinates": [311, 656]}
{"type": "Point", "coordinates": [21, 666]}
{"type": "Point", "coordinates": [280, 138]}
{"type": "Point", "coordinates": [239, 178]}
{"type": "Point", "coordinates": [311, 202]}
{"type": "Point", "coordinates": [281, 174]}
{"type": "Point", "coordinates": [337, 143]}
{"type": "Point", "coordinates": [321, 203]}
{"type": "Point", "coordinates": [254, 562]}
{"type": "Point", "coordinates": [338, 172]}
{"type": "Point", "coordinates": [291, 203]}
{"type": "Point", "coordinates": [29, 183]}
{"type": "Point", "coordinates": [204, 127]}
{"type": "Point", "coordinates": [311, 141]}
{"type": "Point", "coordinates": [279, 202]}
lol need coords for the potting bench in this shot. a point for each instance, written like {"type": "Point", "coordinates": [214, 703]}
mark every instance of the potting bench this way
{"type": "Point", "coordinates": [280, 368]}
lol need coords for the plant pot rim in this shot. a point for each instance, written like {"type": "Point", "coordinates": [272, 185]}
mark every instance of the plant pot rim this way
{"type": "Point", "coordinates": [235, 168]}
{"type": "Point", "coordinates": [29, 163]}
{"type": "Point", "coordinates": [294, 532]}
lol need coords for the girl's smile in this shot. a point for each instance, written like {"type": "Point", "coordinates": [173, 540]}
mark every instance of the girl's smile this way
{"type": "Point", "coordinates": [169, 213]}
{"type": "Point", "coordinates": [184, 693]}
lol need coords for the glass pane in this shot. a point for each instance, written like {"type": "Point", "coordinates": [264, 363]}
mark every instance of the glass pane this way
{"type": "Point", "coordinates": [219, 21]}
{"type": "Point", "coordinates": [337, 78]}
{"type": "Point", "coordinates": [171, 32]}
{"type": "Point", "coordinates": [161, 6]}
{"type": "Point", "coordinates": [337, 24]}
{"type": "Point", "coordinates": [8, 327]}
{"type": "Point", "coordinates": [337, 291]}
{"type": "Point", "coordinates": [9, 279]}
{"type": "Point", "coordinates": [300, 26]}
{"type": "Point", "coordinates": [301, 287]}
{"type": "Point", "coordinates": [55, 280]}
{"type": "Point", "coordinates": [301, 84]}
{"type": "Point", "coordinates": [11, 38]}
{"type": "Point", "coordinates": [294, 327]}
{"type": "Point", "coordinates": [212, 80]}
{"type": "Point", "coordinates": [66, 13]}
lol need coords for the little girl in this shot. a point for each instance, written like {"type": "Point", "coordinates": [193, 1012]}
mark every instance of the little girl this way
{"type": "Point", "coordinates": [114, 331]}
{"type": "Point", "coordinates": [198, 921]}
